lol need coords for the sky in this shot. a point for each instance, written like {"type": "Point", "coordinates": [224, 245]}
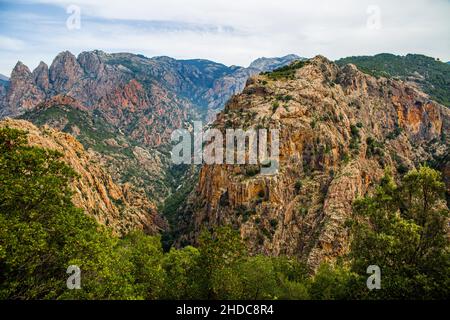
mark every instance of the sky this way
{"type": "Point", "coordinates": [226, 31]}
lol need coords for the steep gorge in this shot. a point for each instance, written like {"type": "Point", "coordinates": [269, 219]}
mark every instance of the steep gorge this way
{"type": "Point", "coordinates": [339, 130]}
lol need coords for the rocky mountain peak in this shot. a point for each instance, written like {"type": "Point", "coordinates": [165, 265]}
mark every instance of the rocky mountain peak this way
{"type": "Point", "coordinates": [22, 94]}
{"type": "Point", "coordinates": [41, 76]}
{"type": "Point", "coordinates": [268, 64]}
{"type": "Point", "coordinates": [92, 63]}
{"type": "Point", "coordinates": [321, 67]}
{"type": "Point", "coordinates": [21, 71]}
{"type": "Point", "coordinates": [65, 72]}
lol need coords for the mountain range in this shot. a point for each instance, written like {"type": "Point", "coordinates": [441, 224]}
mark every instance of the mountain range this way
{"type": "Point", "coordinates": [122, 86]}
{"type": "Point", "coordinates": [342, 124]}
{"type": "Point", "coordinates": [123, 107]}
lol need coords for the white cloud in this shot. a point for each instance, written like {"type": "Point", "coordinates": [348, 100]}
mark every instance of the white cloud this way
{"type": "Point", "coordinates": [247, 29]}
{"type": "Point", "coordinates": [7, 43]}
{"type": "Point", "coordinates": [266, 15]}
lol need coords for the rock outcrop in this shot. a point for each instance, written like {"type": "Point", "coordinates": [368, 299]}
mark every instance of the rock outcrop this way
{"type": "Point", "coordinates": [339, 130]}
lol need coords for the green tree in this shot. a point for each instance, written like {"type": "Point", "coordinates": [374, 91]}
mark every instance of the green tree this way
{"type": "Point", "coordinates": [258, 278]}
{"type": "Point", "coordinates": [292, 279]}
{"type": "Point", "coordinates": [42, 232]}
{"type": "Point", "coordinates": [402, 229]}
{"type": "Point", "coordinates": [145, 255]}
{"type": "Point", "coordinates": [221, 252]}
{"type": "Point", "coordinates": [332, 283]}
{"type": "Point", "coordinates": [181, 266]}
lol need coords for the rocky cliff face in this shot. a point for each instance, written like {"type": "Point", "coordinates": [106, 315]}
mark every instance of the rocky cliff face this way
{"type": "Point", "coordinates": [339, 130]}
{"type": "Point", "coordinates": [118, 206]}
{"type": "Point", "coordinates": [147, 115]}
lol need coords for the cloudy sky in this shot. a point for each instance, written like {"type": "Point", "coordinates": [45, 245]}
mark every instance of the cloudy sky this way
{"type": "Point", "coordinates": [231, 32]}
